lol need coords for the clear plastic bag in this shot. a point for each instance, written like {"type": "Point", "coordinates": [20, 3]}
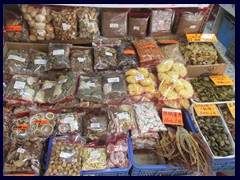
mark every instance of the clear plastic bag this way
{"type": "Point", "coordinates": [82, 61]}
{"type": "Point", "coordinates": [172, 51]}
{"type": "Point", "coordinates": [66, 156]}
{"type": "Point", "coordinates": [37, 62]}
{"type": "Point", "coordinates": [69, 123]}
{"type": "Point", "coordinates": [161, 22]}
{"type": "Point", "coordinates": [64, 23]}
{"type": "Point", "coordinates": [7, 121]}
{"type": "Point", "coordinates": [138, 24]}
{"type": "Point", "coordinates": [58, 56]}
{"type": "Point", "coordinates": [90, 89]}
{"type": "Point", "coordinates": [24, 156]}
{"type": "Point", "coordinates": [114, 23]}
{"type": "Point", "coordinates": [39, 21]}
{"type": "Point", "coordinates": [148, 119]}
{"type": "Point", "coordinates": [43, 124]}
{"type": "Point", "coordinates": [114, 87]}
{"type": "Point", "coordinates": [16, 61]}
{"type": "Point", "coordinates": [95, 127]}
{"type": "Point", "coordinates": [136, 134]}
{"type": "Point", "coordinates": [144, 143]}
{"type": "Point", "coordinates": [127, 56]}
{"type": "Point", "coordinates": [88, 22]}
{"type": "Point", "coordinates": [21, 88]}
{"type": "Point", "coordinates": [20, 127]}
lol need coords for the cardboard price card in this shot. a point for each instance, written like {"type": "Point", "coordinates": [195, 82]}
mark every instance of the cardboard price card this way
{"type": "Point", "coordinates": [206, 109]}
{"type": "Point", "coordinates": [201, 37]}
{"type": "Point", "coordinates": [222, 80]}
{"type": "Point", "coordinates": [231, 107]}
{"type": "Point", "coordinates": [172, 116]}
{"type": "Point", "coordinates": [44, 121]}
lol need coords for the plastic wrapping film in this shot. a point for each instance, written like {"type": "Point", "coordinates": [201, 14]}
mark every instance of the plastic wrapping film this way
{"type": "Point", "coordinates": [138, 24]}
{"type": "Point", "coordinates": [88, 22]}
{"type": "Point", "coordinates": [39, 21]}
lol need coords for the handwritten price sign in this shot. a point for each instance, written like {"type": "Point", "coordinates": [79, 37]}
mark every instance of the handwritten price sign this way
{"type": "Point", "coordinates": [201, 37]}
{"type": "Point", "coordinates": [231, 107]}
{"type": "Point", "coordinates": [222, 80]}
{"type": "Point", "coordinates": [206, 109]}
{"type": "Point", "coordinates": [172, 116]}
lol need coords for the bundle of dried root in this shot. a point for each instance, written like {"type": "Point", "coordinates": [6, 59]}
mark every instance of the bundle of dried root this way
{"type": "Point", "coordinates": [182, 149]}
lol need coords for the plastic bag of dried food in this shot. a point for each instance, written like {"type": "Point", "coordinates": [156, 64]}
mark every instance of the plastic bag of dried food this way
{"type": "Point", "coordinates": [65, 156]}
{"type": "Point", "coordinates": [114, 23]}
{"type": "Point", "coordinates": [114, 87]}
{"type": "Point", "coordinates": [189, 22]}
{"type": "Point", "coordinates": [64, 23]}
{"type": "Point", "coordinates": [16, 61]}
{"type": "Point", "coordinates": [45, 93]}
{"type": "Point", "coordinates": [123, 118]}
{"type": "Point", "coordinates": [148, 50]}
{"type": "Point", "coordinates": [161, 22]}
{"type": "Point", "coordinates": [21, 88]}
{"type": "Point", "coordinates": [16, 28]}
{"type": "Point", "coordinates": [95, 127]}
{"type": "Point", "coordinates": [21, 111]}
{"type": "Point", "coordinates": [94, 157]}
{"type": "Point", "coordinates": [136, 134]}
{"type": "Point", "coordinates": [172, 51]}
{"type": "Point", "coordinates": [58, 56]}
{"type": "Point", "coordinates": [147, 118]}
{"type": "Point", "coordinates": [85, 105]}
{"type": "Point", "coordinates": [43, 124]}
{"type": "Point", "coordinates": [144, 143]}
{"type": "Point", "coordinates": [6, 148]}
{"type": "Point", "coordinates": [70, 105]}
{"type": "Point", "coordinates": [37, 62]}
{"type": "Point", "coordinates": [69, 123]}
{"type": "Point", "coordinates": [90, 89]}
{"type": "Point", "coordinates": [24, 156]}
{"type": "Point", "coordinates": [127, 56]}
{"type": "Point", "coordinates": [88, 22]}
{"type": "Point", "coordinates": [7, 121]}
{"type": "Point", "coordinates": [82, 61]}
{"type": "Point", "coordinates": [39, 21]}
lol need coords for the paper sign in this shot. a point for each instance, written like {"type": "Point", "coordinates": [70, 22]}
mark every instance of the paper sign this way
{"type": "Point", "coordinates": [81, 59]}
{"type": "Point", "coordinates": [21, 127]}
{"type": "Point", "coordinates": [95, 125]}
{"type": "Point", "coordinates": [66, 155]}
{"type": "Point", "coordinates": [128, 51]}
{"type": "Point", "coordinates": [17, 58]}
{"type": "Point", "coordinates": [91, 84]}
{"type": "Point", "coordinates": [139, 77]}
{"type": "Point", "coordinates": [149, 46]}
{"type": "Point", "coordinates": [40, 61]}
{"type": "Point", "coordinates": [13, 28]}
{"type": "Point", "coordinates": [231, 107]}
{"type": "Point", "coordinates": [44, 121]}
{"type": "Point", "coordinates": [167, 41]}
{"type": "Point", "coordinates": [206, 109]}
{"type": "Point", "coordinates": [20, 150]}
{"type": "Point", "coordinates": [201, 37]}
{"type": "Point", "coordinates": [19, 85]}
{"type": "Point", "coordinates": [222, 80]}
{"type": "Point", "coordinates": [109, 54]}
{"type": "Point", "coordinates": [112, 80]}
{"type": "Point", "coordinates": [58, 52]}
{"type": "Point", "coordinates": [172, 116]}
{"type": "Point", "coordinates": [113, 25]}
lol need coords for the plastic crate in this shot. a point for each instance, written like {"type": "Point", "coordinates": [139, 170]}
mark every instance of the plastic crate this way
{"type": "Point", "coordinates": [158, 170]}
{"type": "Point", "coordinates": [109, 172]}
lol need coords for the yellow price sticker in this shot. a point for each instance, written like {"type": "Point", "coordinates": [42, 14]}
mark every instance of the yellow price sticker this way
{"type": "Point", "coordinates": [206, 109]}
{"type": "Point", "coordinates": [201, 37]}
{"type": "Point", "coordinates": [231, 107]}
{"type": "Point", "coordinates": [222, 80]}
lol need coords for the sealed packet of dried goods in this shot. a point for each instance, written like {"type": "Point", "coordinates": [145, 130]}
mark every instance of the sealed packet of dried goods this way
{"type": "Point", "coordinates": [58, 56]}
{"type": "Point", "coordinates": [21, 111]}
{"type": "Point", "coordinates": [114, 87]}
{"type": "Point", "coordinates": [69, 123]}
{"type": "Point", "coordinates": [199, 53]}
{"type": "Point", "coordinates": [105, 53]}
{"type": "Point", "coordinates": [82, 61]}
{"type": "Point", "coordinates": [66, 88]}
{"type": "Point", "coordinates": [147, 118]}
{"type": "Point", "coordinates": [127, 56]}
{"type": "Point", "coordinates": [37, 62]}
{"type": "Point", "coordinates": [89, 105]}
{"type": "Point", "coordinates": [90, 89]}
{"type": "Point", "coordinates": [16, 28]}
{"type": "Point", "coordinates": [7, 121]}
{"type": "Point", "coordinates": [172, 51]}
{"type": "Point", "coordinates": [123, 117]}
{"type": "Point", "coordinates": [70, 105]}
{"type": "Point", "coordinates": [64, 23]}
{"type": "Point", "coordinates": [95, 127]}
{"type": "Point", "coordinates": [136, 134]}
{"type": "Point", "coordinates": [43, 124]}
{"type": "Point", "coordinates": [94, 157]}
{"type": "Point", "coordinates": [161, 22]}
{"type": "Point", "coordinates": [21, 88]}
{"type": "Point", "coordinates": [117, 149]}
{"type": "Point", "coordinates": [24, 157]}
{"type": "Point", "coordinates": [189, 22]}
{"type": "Point", "coordinates": [88, 22]}
{"type": "Point", "coordinates": [65, 156]}
{"type": "Point", "coordinates": [114, 23]}
{"type": "Point", "coordinates": [148, 50]}
{"type": "Point", "coordinates": [39, 21]}
{"type": "Point", "coordinates": [45, 93]}
{"type": "Point", "coordinates": [16, 61]}
{"type": "Point", "coordinates": [144, 143]}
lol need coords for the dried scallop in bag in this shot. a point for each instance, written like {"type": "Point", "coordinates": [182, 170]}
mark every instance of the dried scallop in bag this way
{"type": "Point", "coordinates": [20, 127]}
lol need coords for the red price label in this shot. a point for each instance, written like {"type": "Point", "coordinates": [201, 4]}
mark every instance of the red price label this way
{"type": "Point", "coordinates": [44, 121]}
{"type": "Point", "coordinates": [128, 51]}
{"type": "Point", "coordinates": [21, 127]}
{"type": "Point", "coordinates": [172, 116]}
{"type": "Point", "coordinates": [149, 46]}
{"type": "Point", "coordinates": [13, 28]}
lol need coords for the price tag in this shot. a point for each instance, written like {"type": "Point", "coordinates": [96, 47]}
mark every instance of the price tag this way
{"type": "Point", "coordinates": [149, 46]}
{"type": "Point", "coordinates": [167, 41]}
{"type": "Point", "coordinates": [68, 119]}
{"type": "Point", "coordinates": [123, 115]}
{"type": "Point", "coordinates": [66, 26]}
{"type": "Point", "coordinates": [136, 28]}
{"type": "Point", "coordinates": [139, 77]}
{"type": "Point", "coordinates": [222, 80]}
{"type": "Point", "coordinates": [112, 80]}
{"type": "Point", "coordinates": [206, 109]}
{"type": "Point", "coordinates": [231, 107]}
{"type": "Point", "coordinates": [91, 84]}
{"type": "Point", "coordinates": [43, 121]}
{"type": "Point", "coordinates": [13, 28]}
{"type": "Point", "coordinates": [95, 154]}
{"type": "Point", "coordinates": [113, 25]}
{"type": "Point", "coordinates": [109, 54]}
{"type": "Point", "coordinates": [95, 125]}
{"type": "Point", "coordinates": [21, 150]}
{"type": "Point", "coordinates": [21, 127]}
{"type": "Point", "coordinates": [19, 85]}
{"type": "Point", "coordinates": [65, 155]}
{"type": "Point", "coordinates": [172, 116]}
{"type": "Point", "coordinates": [201, 37]}
{"type": "Point", "coordinates": [58, 52]}
{"type": "Point", "coordinates": [47, 85]}
{"type": "Point", "coordinates": [40, 61]}
{"type": "Point", "coordinates": [90, 24]}
{"type": "Point", "coordinates": [62, 81]}
{"type": "Point", "coordinates": [128, 51]}
{"type": "Point", "coordinates": [17, 58]}
{"type": "Point", "coordinates": [41, 32]}
{"type": "Point", "coordinates": [81, 59]}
